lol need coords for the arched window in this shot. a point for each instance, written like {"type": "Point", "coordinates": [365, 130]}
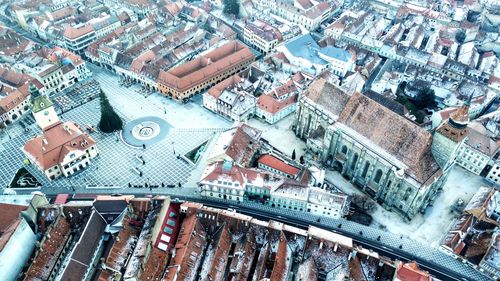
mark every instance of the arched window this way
{"type": "Point", "coordinates": [344, 149]}
{"type": "Point", "coordinates": [354, 160]}
{"type": "Point", "coordinates": [378, 176]}
{"type": "Point", "coordinates": [365, 170]}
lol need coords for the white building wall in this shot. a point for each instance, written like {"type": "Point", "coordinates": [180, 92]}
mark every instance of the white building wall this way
{"type": "Point", "coordinates": [494, 175]}
{"type": "Point", "coordinates": [471, 159]}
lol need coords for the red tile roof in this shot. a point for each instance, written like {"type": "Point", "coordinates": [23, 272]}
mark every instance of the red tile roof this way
{"type": "Point", "coordinates": [9, 221]}
{"type": "Point", "coordinates": [74, 33]}
{"type": "Point", "coordinates": [220, 257]}
{"type": "Point", "coordinates": [282, 262]}
{"type": "Point", "coordinates": [59, 143]}
{"type": "Point", "coordinates": [155, 265]}
{"type": "Point", "coordinates": [217, 90]}
{"type": "Point", "coordinates": [205, 67]}
{"type": "Point", "coordinates": [188, 250]}
{"type": "Point", "coordinates": [269, 104]}
{"type": "Point", "coordinates": [411, 272]}
{"type": "Point", "coordinates": [122, 245]}
{"type": "Point", "coordinates": [49, 253]}
{"type": "Point", "coordinates": [218, 173]}
{"type": "Point", "coordinates": [278, 164]}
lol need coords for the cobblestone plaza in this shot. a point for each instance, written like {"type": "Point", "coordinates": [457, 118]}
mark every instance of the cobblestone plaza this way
{"type": "Point", "coordinates": [119, 164]}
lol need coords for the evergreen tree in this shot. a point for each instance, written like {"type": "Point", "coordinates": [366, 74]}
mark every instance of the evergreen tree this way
{"type": "Point", "coordinates": [293, 154]}
{"type": "Point", "coordinates": [301, 159]}
{"type": "Point", "coordinates": [231, 7]}
{"type": "Point", "coordinates": [425, 98]}
{"type": "Point", "coordinates": [110, 121]}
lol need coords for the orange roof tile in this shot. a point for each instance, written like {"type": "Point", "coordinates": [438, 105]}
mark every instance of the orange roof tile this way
{"type": "Point", "coordinates": [73, 33]}
{"type": "Point", "coordinates": [411, 272]}
{"type": "Point", "coordinates": [217, 90]}
{"type": "Point", "coordinates": [269, 104]}
{"type": "Point", "coordinates": [47, 256]}
{"type": "Point", "coordinates": [205, 67]}
{"type": "Point", "coordinates": [59, 142]}
{"type": "Point", "coordinates": [278, 164]}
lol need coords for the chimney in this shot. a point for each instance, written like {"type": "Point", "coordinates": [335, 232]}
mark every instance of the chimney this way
{"type": "Point", "coordinates": [45, 141]}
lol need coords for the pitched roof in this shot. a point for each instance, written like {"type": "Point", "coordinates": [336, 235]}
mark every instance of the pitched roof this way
{"type": "Point", "coordinates": [223, 171]}
{"type": "Point", "coordinates": [189, 250]}
{"type": "Point", "coordinates": [218, 88]}
{"type": "Point", "coordinates": [395, 134]}
{"type": "Point", "coordinates": [14, 98]}
{"type": "Point", "coordinates": [220, 257]}
{"type": "Point", "coordinates": [411, 272]}
{"type": "Point", "coordinates": [82, 255]}
{"type": "Point", "coordinates": [56, 142]}
{"type": "Point", "coordinates": [237, 144]}
{"type": "Point", "coordinates": [74, 33]}
{"type": "Point", "coordinates": [327, 95]}
{"type": "Point", "coordinates": [48, 254]}
{"type": "Point", "coordinates": [394, 106]}
{"type": "Point", "coordinates": [9, 221]}
{"type": "Point", "coordinates": [194, 72]}
{"type": "Point", "coordinates": [40, 103]}
{"type": "Point", "coordinates": [477, 137]}
{"type": "Point", "coordinates": [278, 164]}
{"type": "Point", "coordinates": [269, 104]}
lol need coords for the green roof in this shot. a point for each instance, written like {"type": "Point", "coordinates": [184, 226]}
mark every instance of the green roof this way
{"type": "Point", "coordinates": [40, 103]}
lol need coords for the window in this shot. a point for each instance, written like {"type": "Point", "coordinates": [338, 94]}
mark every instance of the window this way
{"type": "Point", "coordinates": [354, 160]}
{"type": "Point", "coordinates": [344, 149]}
{"type": "Point", "coordinates": [365, 170]}
{"type": "Point", "coordinates": [378, 176]}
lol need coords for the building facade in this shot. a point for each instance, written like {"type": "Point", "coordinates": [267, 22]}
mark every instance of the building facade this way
{"type": "Point", "coordinates": [63, 148]}
{"type": "Point", "coordinates": [477, 157]}
{"type": "Point", "coordinates": [227, 181]}
{"type": "Point", "coordinates": [14, 105]}
{"type": "Point", "coordinates": [261, 36]}
{"type": "Point", "coordinates": [76, 39]}
{"type": "Point", "coordinates": [493, 175]}
{"type": "Point", "coordinates": [195, 76]}
{"type": "Point", "coordinates": [390, 158]}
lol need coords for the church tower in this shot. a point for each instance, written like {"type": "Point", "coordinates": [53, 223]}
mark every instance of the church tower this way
{"type": "Point", "coordinates": [43, 111]}
{"type": "Point", "coordinates": [449, 136]}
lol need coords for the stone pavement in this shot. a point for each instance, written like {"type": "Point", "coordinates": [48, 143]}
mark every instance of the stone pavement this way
{"type": "Point", "coordinates": [114, 167]}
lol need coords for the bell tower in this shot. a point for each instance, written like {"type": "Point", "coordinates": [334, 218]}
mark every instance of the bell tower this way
{"type": "Point", "coordinates": [450, 135]}
{"type": "Point", "coordinates": [44, 112]}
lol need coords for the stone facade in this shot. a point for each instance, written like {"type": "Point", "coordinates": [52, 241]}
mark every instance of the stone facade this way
{"type": "Point", "coordinates": [392, 159]}
{"type": "Point", "coordinates": [376, 172]}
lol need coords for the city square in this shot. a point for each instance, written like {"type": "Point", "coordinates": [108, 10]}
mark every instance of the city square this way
{"type": "Point", "coordinates": [247, 140]}
{"type": "Point", "coordinates": [120, 164]}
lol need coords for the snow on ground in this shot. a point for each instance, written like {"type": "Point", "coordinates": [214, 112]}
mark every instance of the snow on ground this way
{"type": "Point", "coordinates": [281, 136]}
{"type": "Point", "coordinates": [431, 226]}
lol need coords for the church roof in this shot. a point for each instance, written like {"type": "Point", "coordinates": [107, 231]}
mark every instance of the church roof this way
{"type": "Point", "coordinates": [327, 95]}
{"type": "Point", "coordinates": [395, 134]}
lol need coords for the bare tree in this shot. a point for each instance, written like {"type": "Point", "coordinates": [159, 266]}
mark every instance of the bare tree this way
{"type": "Point", "coordinates": [364, 203]}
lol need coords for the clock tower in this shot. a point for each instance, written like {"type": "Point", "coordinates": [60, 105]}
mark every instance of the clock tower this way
{"type": "Point", "coordinates": [44, 112]}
